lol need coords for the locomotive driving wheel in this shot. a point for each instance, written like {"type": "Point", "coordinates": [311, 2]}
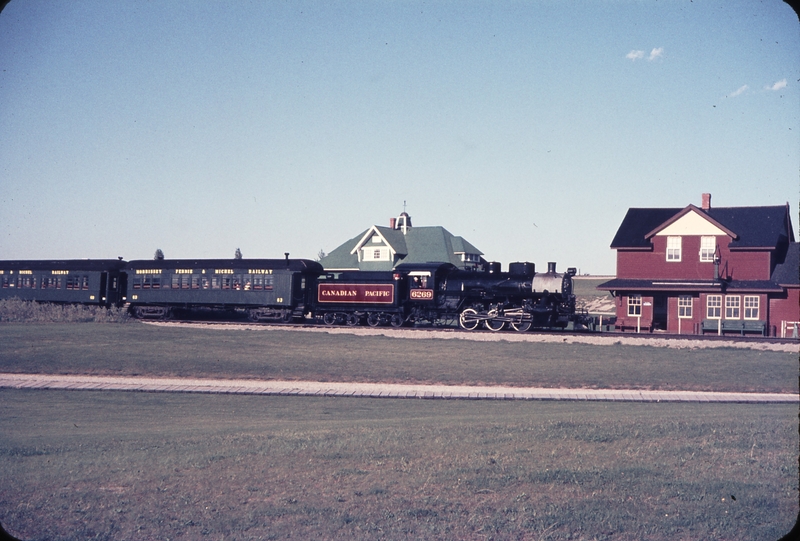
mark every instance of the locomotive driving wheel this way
{"type": "Point", "coordinates": [468, 319]}
{"type": "Point", "coordinates": [494, 325]}
{"type": "Point", "coordinates": [521, 326]}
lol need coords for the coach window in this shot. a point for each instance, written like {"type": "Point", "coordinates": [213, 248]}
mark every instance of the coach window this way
{"type": "Point", "coordinates": [176, 281]}
{"type": "Point", "coordinates": [751, 307]}
{"type": "Point", "coordinates": [185, 281]}
{"type": "Point", "coordinates": [216, 282]}
{"type": "Point", "coordinates": [732, 306]}
{"type": "Point", "coordinates": [635, 305]}
{"type": "Point", "coordinates": [714, 306]}
{"type": "Point", "coordinates": [685, 306]}
{"type": "Point", "coordinates": [673, 248]}
{"type": "Point", "coordinates": [196, 282]}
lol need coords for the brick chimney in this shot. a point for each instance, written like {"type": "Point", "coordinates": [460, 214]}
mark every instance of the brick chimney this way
{"type": "Point", "coordinates": [392, 222]}
{"type": "Point", "coordinates": [706, 201]}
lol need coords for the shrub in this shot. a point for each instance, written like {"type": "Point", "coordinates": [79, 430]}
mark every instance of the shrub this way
{"type": "Point", "coordinates": [18, 311]}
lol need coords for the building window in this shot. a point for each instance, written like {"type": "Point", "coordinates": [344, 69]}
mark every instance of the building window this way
{"type": "Point", "coordinates": [751, 307]}
{"type": "Point", "coordinates": [732, 306]}
{"type": "Point", "coordinates": [714, 306]}
{"type": "Point", "coordinates": [708, 247]}
{"type": "Point", "coordinates": [376, 254]}
{"type": "Point", "coordinates": [376, 239]}
{"type": "Point", "coordinates": [685, 306]}
{"type": "Point", "coordinates": [673, 248]}
{"type": "Point", "coordinates": [635, 305]}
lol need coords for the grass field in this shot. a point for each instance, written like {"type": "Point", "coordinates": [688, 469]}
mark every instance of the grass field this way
{"type": "Point", "coordinates": [99, 465]}
{"type": "Point", "coordinates": [138, 349]}
{"type": "Point", "coordinates": [119, 465]}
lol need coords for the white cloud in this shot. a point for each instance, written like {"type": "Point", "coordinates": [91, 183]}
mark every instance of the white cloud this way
{"type": "Point", "coordinates": [777, 86]}
{"type": "Point", "coordinates": [656, 53]}
{"type": "Point", "coordinates": [741, 90]}
{"type": "Point", "coordinates": [635, 55]}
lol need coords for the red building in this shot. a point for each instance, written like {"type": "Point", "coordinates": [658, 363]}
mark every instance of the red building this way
{"type": "Point", "coordinates": [707, 270]}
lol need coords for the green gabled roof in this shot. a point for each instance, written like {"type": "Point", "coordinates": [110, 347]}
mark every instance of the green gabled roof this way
{"type": "Point", "coordinates": [460, 245]}
{"type": "Point", "coordinates": [341, 258]}
{"type": "Point", "coordinates": [426, 244]}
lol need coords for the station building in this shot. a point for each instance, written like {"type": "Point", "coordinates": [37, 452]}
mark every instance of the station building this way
{"type": "Point", "coordinates": [382, 248]}
{"type": "Point", "coordinates": [706, 270]}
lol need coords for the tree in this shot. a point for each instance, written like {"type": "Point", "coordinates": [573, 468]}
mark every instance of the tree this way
{"type": "Point", "coordinates": [238, 254]}
{"type": "Point", "coordinates": [159, 255]}
{"type": "Point", "coordinates": [321, 255]}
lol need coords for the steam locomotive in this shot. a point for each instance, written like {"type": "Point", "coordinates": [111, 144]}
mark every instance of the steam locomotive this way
{"type": "Point", "coordinates": [295, 290]}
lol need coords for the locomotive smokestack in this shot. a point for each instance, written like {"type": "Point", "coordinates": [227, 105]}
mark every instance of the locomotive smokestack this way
{"type": "Point", "coordinates": [551, 267]}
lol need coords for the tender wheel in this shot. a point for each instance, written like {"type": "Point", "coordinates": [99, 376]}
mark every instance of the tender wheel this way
{"type": "Point", "coordinates": [396, 321]}
{"type": "Point", "coordinates": [468, 319]}
{"type": "Point", "coordinates": [373, 319]}
{"type": "Point", "coordinates": [352, 320]}
{"type": "Point", "coordinates": [522, 326]}
{"type": "Point", "coordinates": [329, 318]}
{"type": "Point", "coordinates": [494, 325]}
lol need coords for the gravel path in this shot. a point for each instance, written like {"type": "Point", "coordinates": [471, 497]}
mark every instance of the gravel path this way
{"type": "Point", "coordinates": [373, 390]}
{"type": "Point", "coordinates": [453, 334]}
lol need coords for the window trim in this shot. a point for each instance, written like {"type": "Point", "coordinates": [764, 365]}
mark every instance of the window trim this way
{"type": "Point", "coordinates": [733, 305]}
{"type": "Point", "coordinates": [757, 307]}
{"type": "Point", "coordinates": [634, 306]}
{"type": "Point", "coordinates": [684, 309]}
{"type": "Point", "coordinates": [674, 253]}
{"type": "Point", "coordinates": [717, 307]}
{"type": "Point", "coordinates": [705, 255]}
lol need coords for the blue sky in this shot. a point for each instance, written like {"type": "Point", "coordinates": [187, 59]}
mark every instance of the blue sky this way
{"type": "Point", "coordinates": [528, 128]}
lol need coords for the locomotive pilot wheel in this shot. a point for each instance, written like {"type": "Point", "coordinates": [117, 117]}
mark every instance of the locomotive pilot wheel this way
{"type": "Point", "coordinates": [468, 319]}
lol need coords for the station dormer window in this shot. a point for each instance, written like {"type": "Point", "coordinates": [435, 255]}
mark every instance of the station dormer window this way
{"type": "Point", "coordinates": [708, 246]}
{"type": "Point", "coordinates": [673, 248]}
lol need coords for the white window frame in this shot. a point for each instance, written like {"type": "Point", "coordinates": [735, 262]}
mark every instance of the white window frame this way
{"type": "Point", "coordinates": [751, 306]}
{"type": "Point", "coordinates": [708, 247]}
{"type": "Point", "coordinates": [375, 254]}
{"type": "Point", "coordinates": [635, 306]}
{"type": "Point", "coordinates": [714, 307]}
{"type": "Point", "coordinates": [733, 304]}
{"type": "Point", "coordinates": [674, 249]}
{"type": "Point", "coordinates": [685, 306]}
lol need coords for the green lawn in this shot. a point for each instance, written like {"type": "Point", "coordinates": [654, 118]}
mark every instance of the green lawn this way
{"type": "Point", "coordinates": [138, 349]}
{"type": "Point", "coordinates": [122, 465]}
{"type": "Point", "coordinates": [105, 465]}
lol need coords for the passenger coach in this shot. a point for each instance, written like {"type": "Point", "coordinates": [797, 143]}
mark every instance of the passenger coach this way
{"type": "Point", "coordinates": [78, 281]}
{"type": "Point", "coordinates": [267, 289]}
